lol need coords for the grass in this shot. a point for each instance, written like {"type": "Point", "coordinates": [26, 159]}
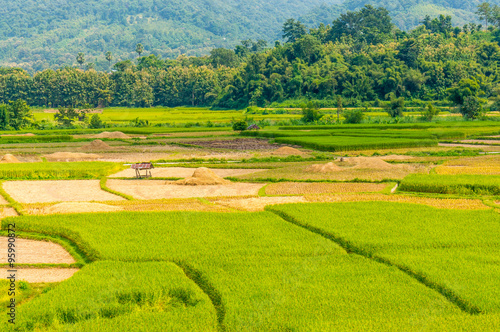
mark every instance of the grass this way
{"type": "Point", "coordinates": [58, 170]}
{"type": "Point", "coordinates": [452, 184]}
{"type": "Point", "coordinates": [453, 251]}
{"type": "Point", "coordinates": [117, 296]}
{"type": "Point", "coordinates": [261, 272]}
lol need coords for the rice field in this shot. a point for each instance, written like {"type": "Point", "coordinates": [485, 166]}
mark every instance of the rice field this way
{"type": "Point", "coordinates": [420, 240]}
{"type": "Point", "coordinates": [452, 184]}
{"type": "Point", "coordinates": [269, 269]}
{"type": "Point", "coordinates": [293, 188]}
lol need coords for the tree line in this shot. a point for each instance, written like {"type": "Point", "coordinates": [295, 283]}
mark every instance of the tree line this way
{"type": "Point", "coordinates": [361, 58]}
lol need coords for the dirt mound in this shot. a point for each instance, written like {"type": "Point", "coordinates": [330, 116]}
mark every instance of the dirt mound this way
{"type": "Point", "coordinates": [287, 151]}
{"type": "Point", "coordinates": [96, 145]}
{"type": "Point", "coordinates": [70, 156]}
{"type": "Point", "coordinates": [203, 176]}
{"type": "Point", "coordinates": [8, 158]}
{"type": "Point", "coordinates": [114, 134]}
{"type": "Point", "coordinates": [370, 162]}
{"type": "Point", "coordinates": [324, 168]}
{"type": "Point", "coordinates": [80, 208]}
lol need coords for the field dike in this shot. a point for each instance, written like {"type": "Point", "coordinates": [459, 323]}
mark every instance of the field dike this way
{"type": "Point", "coordinates": [350, 248]}
{"type": "Point", "coordinates": [213, 294]}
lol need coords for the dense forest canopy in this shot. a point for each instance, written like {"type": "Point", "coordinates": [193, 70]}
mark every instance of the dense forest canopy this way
{"type": "Point", "coordinates": [36, 35]}
{"type": "Point", "coordinates": [361, 58]}
{"type": "Point", "coordinates": [42, 34]}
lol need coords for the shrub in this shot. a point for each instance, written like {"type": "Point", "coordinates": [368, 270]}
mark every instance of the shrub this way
{"type": "Point", "coordinates": [240, 125]}
{"type": "Point", "coordinates": [353, 116]}
{"type": "Point", "coordinates": [96, 122]}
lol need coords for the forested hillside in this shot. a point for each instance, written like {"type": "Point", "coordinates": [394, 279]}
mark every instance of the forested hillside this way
{"type": "Point", "coordinates": [39, 34]}
{"type": "Point", "coordinates": [406, 14]}
{"type": "Point", "coordinates": [363, 65]}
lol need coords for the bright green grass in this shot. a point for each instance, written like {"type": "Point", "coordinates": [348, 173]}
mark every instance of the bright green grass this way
{"type": "Point", "coordinates": [118, 296]}
{"type": "Point", "coordinates": [58, 170]}
{"type": "Point", "coordinates": [452, 184]}
{"type": "Point", "coordinates": [347, 143]}
{"type": "Point", "coordinates": [456, 249]}
{"type": "Point", "coordinates": [174, 115]}
{"type": "Point", "coordinates": [270, 275]}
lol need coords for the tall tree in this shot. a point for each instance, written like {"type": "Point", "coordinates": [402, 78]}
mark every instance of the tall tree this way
{"type": "Point", "coordinates": [139, 49]}
{"type": "Point", "coordinates": [109, 57]}
{"type": "Point", "coordinates": [80, 58]}
{"type": "Point", "coordinates": [293, 30]}
{"type": "Point", "coordinates": [484, 11]}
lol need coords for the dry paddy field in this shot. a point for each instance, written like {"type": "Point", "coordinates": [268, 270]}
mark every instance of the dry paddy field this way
{"type": "Point", "coordinates": [301, 188]}
{"type": "Point", "coordinates": [57, 191]}
{"type": "Point", "coordinates": [184, 172]}
{"type": "Point", "coordinates": [45, 275]}
{"type": "Point", "coordinates": [157, 189]}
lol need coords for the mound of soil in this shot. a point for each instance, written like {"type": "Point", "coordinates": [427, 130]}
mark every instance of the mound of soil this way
{"type": "Point", "coordinates": [114, 134]}
{"type": "Point", "coordinates": [70, 156]}
{"type": "Point", "coordinates": [324, 168]}
{"type": "Point", "coordinates": [203, 176]}
{"type": "Point", "coordinates": [74, 207]}
{"type": "Point", "coordinates": [96, 145]}
{"type": "Point", "coordinates": [287, 151]}
{"type": "Point", "coordinates": [371, 162]}
{"type": "Point", "coordinates": [8, 158]}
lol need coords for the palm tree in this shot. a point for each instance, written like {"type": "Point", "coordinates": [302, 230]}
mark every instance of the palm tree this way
{"type": "Point", "coordinates": [109, 57]}
{"type": "Point", "coordinates": [139, 49]}
{"type": "Point", "coordinates": [80, 58]}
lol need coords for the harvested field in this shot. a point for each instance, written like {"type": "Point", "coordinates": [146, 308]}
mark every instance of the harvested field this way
{"type": "Point", "coordinates": [184, 172]}
{"type": "Point", "coordinates": [237, 144]}
{"type": "Point", "coordinates": [41, 275]}
{"type": "Point", "coordinates": [57, 191]}
{"type": "Point", "coordinates": [481, 141]}
{"type": "Point", "coordinates": [396, 157]}
{"type": "Point", "coordinates": [9, 159]}
{"type": "Point", "coordinates": [157, 189]}
{"type": "Point", "coordinates": [73, 207]}
{"type": "Point", "coordinates": [7, 212]}
{"type": "Point", "coordinates": [186, 204]}
{"type": "Point", "coordinates": [324, 168]}
{"type": "Point", "coordinates": [17, 135]}
{"type": "Point", "coordinates": [301, 188]}
{"type": "Point", "coordinates": [36, 252]}
{"type": "Point", "coordinates": [257, 203]}
{"type": "Point", "coordinates": [287, 151]}
{"type": "Point", "coordinates": [460, 204]}
{"type": "Point", "coordinates": [71, 156]}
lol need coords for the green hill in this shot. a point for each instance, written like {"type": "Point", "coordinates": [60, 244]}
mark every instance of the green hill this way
{"type": "Point", "coordinates": [47, 34]}
{"type": "Point", "coordinates": [406, 14]}
{"type": "Point", "coordinates": [40, 34]}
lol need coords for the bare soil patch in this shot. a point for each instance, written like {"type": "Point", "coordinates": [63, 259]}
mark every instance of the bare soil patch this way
{"type": "Point", "coordinates": [158, 189]}
{"type": "Point", "coordinates": [302, 188]}
{"type": "Point", "coordinates": [71, 156]}
{"type": "Point", "coordinates": [57, 191]}
{"type": "Point", "coordinates": [258, 203]}
{"type": "Point", "coordinates": [96, 145]}
{"type": "Point", "coordinates": [237, 144]}
{"type": "Point", "coordinates": [41, 275]}
{"type": "Point", "coordinates": [184, 172]}
{"type": "Point", "coordinates": [9, 159]}
{"type": "Point", "coordinates": [36, 252]}
{"type": "Point", "coordinates": [287, 151]}
{"type": "Point", "coordinates": [27, 134]}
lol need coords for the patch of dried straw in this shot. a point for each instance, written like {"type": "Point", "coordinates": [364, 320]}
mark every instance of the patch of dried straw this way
{"type": "Point", "coordinates": [203, 176]}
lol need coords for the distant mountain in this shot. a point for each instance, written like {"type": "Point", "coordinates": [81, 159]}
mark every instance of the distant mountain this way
{"type": "Point", "coordinates": [406, 14]}
{"type": "Point", "coordinates": [37, 34]}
